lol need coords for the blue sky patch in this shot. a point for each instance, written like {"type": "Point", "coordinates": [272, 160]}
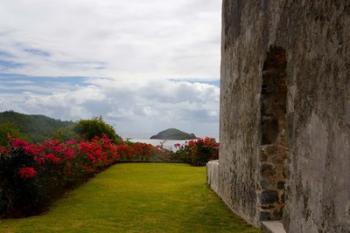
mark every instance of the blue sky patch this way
{"type": "Point", "coordinates": [37, 52]}
{"type": "Point", "coordinates": [42, 80]}
{"type": "Point", "coordinates": [5, 54]}
{"type": "Point", "coordinates": [6, 64]}
{"type": "Point", "coordinates": [210, 82]}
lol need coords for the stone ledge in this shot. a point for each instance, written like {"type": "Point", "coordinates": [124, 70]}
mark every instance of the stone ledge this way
{"type": "Point", "coordinates": [272, 227]}
{"type": "Point", "coordinates": [213, 175]}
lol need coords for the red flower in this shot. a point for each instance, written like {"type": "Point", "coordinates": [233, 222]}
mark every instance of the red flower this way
{"type": "Point", "coordinates": [18, 143]}
{"type": "Point", "coordinates": [27, 172]}
{"type": "Point", "coordinates": [84, 147]}
{"type": "Point", "coordinates": [3, 150]}
{"type": "Point", "coordinates": [32, 149]}
{"type": "Point", "coordinates": [106, 140]}
{"type": "Point", "coordinates": [53, 146]}
{"type": "Point", "coordinates": [142, 150]}
{"type": "Point", "coordinates": [53, 158]}
{"type": "Point", "coordinates": [71, 142]}
{"type": "Point", "coordinates": [114, 152]}
{"type": "Point", "coordinates": [125, 151]}
{"type": "Point", "coordinates": [69, 153]}
{"type": "Point", "coordinates": [39, 160]}
{"type": "Point", "coordinates": [92, 158]}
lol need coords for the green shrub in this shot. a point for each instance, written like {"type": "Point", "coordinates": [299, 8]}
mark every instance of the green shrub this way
{"type": "Point", "coordinates": [8, 130]}
{"type": "Point", "coordinates": [96, 127]}
{"type": "Point", "coordinates": [65, 134]}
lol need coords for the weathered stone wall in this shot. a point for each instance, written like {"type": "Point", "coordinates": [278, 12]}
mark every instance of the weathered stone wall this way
{"type": "Point", "coordinates": [316, 37]}
{"type": "Point", "coordinates": [213, 175]}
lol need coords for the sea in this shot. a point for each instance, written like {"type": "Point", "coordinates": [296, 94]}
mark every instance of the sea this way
{"type": "Point", "coordinates": [167, 144]}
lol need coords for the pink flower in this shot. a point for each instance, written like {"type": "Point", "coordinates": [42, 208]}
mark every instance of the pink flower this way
{"type": "Point", "coordinates": [3, 150]}
{"type": "Point", "coordinates": [70, 142]}
{"type": "Point", "coordinates": [18, 143]}
{"type": "Point", "coordinates": [69, 153]}
{"type": "Point", "coordinates": [91, 158]}
{"type": "Point", "coordinates": [27, 172]}
{"type": "Point", "coordinates": [39, 160]}
{"type": "Point", "coordinates": [53, 158]}
{"type": "Point", "coordinates": [32, 149]}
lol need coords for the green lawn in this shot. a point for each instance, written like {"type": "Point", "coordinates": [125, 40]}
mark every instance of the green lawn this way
{"type": "Point", "coordinates": [135, 198]}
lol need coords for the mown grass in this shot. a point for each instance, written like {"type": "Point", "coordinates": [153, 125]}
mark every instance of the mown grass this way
{"type": "Point", "coordinates": [137, 198]}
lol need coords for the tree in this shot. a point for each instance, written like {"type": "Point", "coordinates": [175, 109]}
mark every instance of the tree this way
{"type": "Point", "coordinates": [65, 133]}
{"type": "Point", "coordinates": [96, 127]}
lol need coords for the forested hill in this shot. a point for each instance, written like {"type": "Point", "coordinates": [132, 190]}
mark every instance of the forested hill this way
{"type": "Point", "coordinates": [37, 127]}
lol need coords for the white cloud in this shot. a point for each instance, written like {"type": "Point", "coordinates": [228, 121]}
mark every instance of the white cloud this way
{"type": "Point", "coordinates": [114, 38]}
{"type": "Point", "coordinates": [135, 109]}
{"type": "Point", "coordinates": [146, 50]}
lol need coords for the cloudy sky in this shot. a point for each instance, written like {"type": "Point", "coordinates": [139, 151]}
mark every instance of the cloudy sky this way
{"type": "Point", "coordinates": [144, 66]}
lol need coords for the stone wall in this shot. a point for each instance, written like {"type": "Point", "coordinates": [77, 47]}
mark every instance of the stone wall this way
{"type": "Point", "coordinates": [315, 36]}
{"type": "Point", "coordinates": [213, 175]}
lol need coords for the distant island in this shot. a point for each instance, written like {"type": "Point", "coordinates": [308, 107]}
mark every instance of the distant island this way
{"type": "Point", "coordinates": [174, 134]}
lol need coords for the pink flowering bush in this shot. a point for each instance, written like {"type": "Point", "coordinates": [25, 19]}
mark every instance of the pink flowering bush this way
{"type": "Point", "coordinates": [197, 152]}
{"type": "Point", "coordinates": [27, 173]}
{"type": "Point", "coordinates": [33, 175]}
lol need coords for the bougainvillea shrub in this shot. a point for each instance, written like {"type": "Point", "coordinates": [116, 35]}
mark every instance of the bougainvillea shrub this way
{"type": "Point", "coordinates": [142, 152]}
{"type": "Point", "coordinates": [197, 152]}
{"type": "Point", "coordinates": [33, 175]}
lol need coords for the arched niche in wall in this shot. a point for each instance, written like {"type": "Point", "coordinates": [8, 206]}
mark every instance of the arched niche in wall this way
{"type": "Point", "coordinates": [274, 142]}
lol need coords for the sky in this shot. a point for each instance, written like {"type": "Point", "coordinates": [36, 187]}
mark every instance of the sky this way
{"type": "Point", "coordinates": [143, 66]}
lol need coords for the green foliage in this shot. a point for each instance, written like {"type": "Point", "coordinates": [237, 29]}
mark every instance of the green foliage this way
{"type": "Point", "coordinates": [8, 130]}
{"type": "Point", "coordinates": [65, 134]}
{"type": "Point", "coordinates": [37, 127]}
{"type": "Point", "coordinates": [96, 127]}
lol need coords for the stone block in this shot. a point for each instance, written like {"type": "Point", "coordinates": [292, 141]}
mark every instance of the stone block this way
{"type": "Point", "coordinates": [268, 197]}
{"type": "Point", "coordinates": [213, 175]}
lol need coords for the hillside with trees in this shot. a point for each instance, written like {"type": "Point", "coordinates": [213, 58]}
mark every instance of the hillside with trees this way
{"type": "Point", "coordinates": [35, 127]}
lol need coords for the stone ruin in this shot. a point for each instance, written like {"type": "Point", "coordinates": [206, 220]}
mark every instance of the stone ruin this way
{"type": "Point", "coordinates": [285, 114]}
